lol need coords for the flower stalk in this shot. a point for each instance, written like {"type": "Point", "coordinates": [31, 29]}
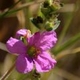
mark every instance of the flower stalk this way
{"type": "Point", "coordinates": [5, 76]}
{"type": "Point", "coordinates": [47, 17]}
{"type": "Point", "coordinates": [35, 75]}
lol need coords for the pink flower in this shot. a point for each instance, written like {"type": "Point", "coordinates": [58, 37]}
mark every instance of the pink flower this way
{"type": "Point", "coordinates": [33, 55]}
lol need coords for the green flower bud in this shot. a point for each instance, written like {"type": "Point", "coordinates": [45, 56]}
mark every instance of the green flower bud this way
{"type": "Point", "coordinates": [46, 11]}
{"type": "Point", "coordinates": [56, 24]}
{"type": "Point", "coordinates": [55, 6]}
{"type": "Point", "coordinates": [46, 4]}
{"type": "Point", "coordinates": [52, 25]}
{"type": "Point", "coordinates": [23, 39]}
{"type": "Point", "coordinates": [49, 26]}
{"type": "Point", "coordinates": [37, 21]}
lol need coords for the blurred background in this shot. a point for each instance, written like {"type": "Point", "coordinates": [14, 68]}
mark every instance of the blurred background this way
{"type": "Point", "coordinates": [67, 49]}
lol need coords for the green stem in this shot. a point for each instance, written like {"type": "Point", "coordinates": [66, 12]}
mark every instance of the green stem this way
{"type": "Point", "coordinates": [30, 76]}
{"type": "Point", "coordinates": [23, 77]}
{"type": "Point", "coordinates": [34, 75]}
{"type": "Point", "coordinates": [6, 12]}
{"type": "Point", "coordinates": [20, 8]}
{"type": "Point", "coordinates": [27, 15]}
{"type": "Point", "coordinates": [67, 44]}
{"type": "Point", "coordinates": [34, 78]}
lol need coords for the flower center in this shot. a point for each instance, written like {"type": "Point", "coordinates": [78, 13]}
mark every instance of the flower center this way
{"type": "Point", "coordinates": [33, 51]}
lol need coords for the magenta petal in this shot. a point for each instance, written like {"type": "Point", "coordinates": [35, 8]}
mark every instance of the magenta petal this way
{"type": "Point", "coordinates": [22, 32]}
{"type": "Point", "coordinates": [44, 63]}
{"type": "Point", "coordinates": [23, 64]}
{"type": "Point", "coordinates": [34, 38]}
{"type": "Point", "coordinates": [47, 56]}
{"type": "Point", "coordinates": [16, 46]}
{"type": "Point", "coordinates": [47, 40]}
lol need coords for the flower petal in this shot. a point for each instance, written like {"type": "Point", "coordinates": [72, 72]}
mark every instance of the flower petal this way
{"type": "Point", "coordinates": [16, 46]}
{"type": "Point", "coordinates": [44, 63]}
{"type": "Point", "coordinates": [24, 64]}
{"type": "Point", "coordinates": [46, 55]}
{"type": "Point", "coordinates": [46, 40]}
{"type": "Point", "coordinates": [23, 32]}
{"type": "Point", "coordinates": [34, 38]}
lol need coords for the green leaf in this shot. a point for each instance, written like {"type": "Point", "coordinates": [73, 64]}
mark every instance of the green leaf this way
{"type": "Point", "coordinates": [67, 44]}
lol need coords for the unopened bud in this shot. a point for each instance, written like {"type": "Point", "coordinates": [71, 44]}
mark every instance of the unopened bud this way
{"type": "Point", "coordinates": [37, 21]}
{"type": "Point", "coordinates": [52, 25]}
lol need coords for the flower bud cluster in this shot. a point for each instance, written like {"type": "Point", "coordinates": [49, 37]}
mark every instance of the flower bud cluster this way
{"type": "Point", "coordinates": [47, 17]}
